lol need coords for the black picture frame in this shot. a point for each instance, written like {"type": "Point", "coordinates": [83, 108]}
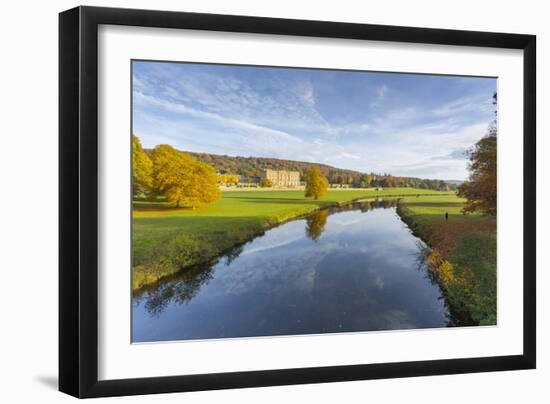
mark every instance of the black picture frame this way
{"type": "Point", "coordinates": [78, 200]}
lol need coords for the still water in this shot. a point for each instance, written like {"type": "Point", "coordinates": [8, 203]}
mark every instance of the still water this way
{"type": "Point", "coordinates": [355, 268]}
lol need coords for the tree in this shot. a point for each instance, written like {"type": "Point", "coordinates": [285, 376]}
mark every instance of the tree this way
{"type": "Point", "coordinates": [228, 179]}
{"type": "Point", "coordinates": [388, 182]}
{"type": "Point", "coordinates": [316, 183]}
{"type": "Point", "coordinates": [232, 179]}
{"type": "Point", "coordinates": [184, 180]}
{"type": "Point", "coordinates": [481, 189]}
{"type": "Point", "coordinates": [141, 168]}
{"type": "Point", "coordinates": [266, 183]}
{"type": "Point", "coordinates": [365, 181]}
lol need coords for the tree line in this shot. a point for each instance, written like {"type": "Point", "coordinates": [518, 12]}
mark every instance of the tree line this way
{"type": "Point", "coordinates": [249, 169]}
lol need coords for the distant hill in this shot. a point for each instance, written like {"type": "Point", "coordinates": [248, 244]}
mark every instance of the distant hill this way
{"type": "Point", "coordinates": [253, 166]}
{"type": "Point", "coordinates": [249, 168]}
{"type": "Point", "coordinates": [454, 182]}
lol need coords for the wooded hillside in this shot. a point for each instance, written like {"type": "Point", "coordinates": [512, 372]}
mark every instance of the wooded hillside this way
{"type": "Point", "coordinates": [250, 168]}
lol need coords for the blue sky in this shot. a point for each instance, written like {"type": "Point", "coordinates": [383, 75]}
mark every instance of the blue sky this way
{"type": "Point", "coordinates": [403, 124]}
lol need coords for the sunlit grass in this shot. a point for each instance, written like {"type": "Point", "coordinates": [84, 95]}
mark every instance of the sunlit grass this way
{"type": "Point", "coordinates": [433, 208]}
{"type": "Point", "coordinates": [259, 203]}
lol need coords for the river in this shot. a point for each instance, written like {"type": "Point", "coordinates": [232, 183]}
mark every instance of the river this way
{"type": "Point", "coordinates": [348, 269]}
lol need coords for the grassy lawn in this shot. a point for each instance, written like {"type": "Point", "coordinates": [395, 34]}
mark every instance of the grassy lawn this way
{"type": "Point", "coordinates": [167, 239]}
{"type": "Point", "coordinates": [426, 216]}
{"type": "Point", "coordinates": [463, 252]}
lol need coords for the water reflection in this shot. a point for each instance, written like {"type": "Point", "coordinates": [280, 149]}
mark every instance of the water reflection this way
{"type": "Point", "coordinates": [176, 289]}
{"type": "Point", "coordinates": [351, 268]}
{"type": "Point", "coordinates": [315, 224]}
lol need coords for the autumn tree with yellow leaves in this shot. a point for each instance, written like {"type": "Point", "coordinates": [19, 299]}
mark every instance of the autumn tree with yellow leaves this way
{"type": "Point", "coordinates": [266, 183]}
{"type": "Point", "coordinates": [184, 180]}
{"type": "Point", "coordinates": [142, 168]}
{"type": "Point", "coordinates": [316, 183]}
{"type": "Point", "coordinates": [228, 179]}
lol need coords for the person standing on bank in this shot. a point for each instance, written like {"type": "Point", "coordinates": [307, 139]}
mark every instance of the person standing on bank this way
{"type": "Point", "coordinates": [446, 216]}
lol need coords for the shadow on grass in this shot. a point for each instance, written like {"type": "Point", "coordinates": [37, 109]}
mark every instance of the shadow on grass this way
{"type": "Point", "coordinates": [158, 207]}
{"type": "Point", "coordinates": [245, 199]}
{"type": "Point", "coordinates": [287, 201]}
{"type": "Point", "coordinates": [434, 204]}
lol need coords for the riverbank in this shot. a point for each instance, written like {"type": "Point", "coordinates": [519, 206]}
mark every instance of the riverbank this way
{"type": "Point", "coordinates": [166, 239]}
{"type": "Point", "coordinates": [463, 253]}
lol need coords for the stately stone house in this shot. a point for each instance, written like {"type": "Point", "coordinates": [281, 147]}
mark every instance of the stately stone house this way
{"type": "Point", "coordinates": [280, 178]}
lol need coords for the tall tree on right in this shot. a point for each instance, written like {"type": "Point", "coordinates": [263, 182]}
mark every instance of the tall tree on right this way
{"type": "Point", "coordinates": [316, 183]}
{"type": "Point", "coordinates": [480, 190]}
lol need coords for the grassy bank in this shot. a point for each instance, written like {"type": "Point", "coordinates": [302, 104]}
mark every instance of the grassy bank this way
{"type": "Point", "coordinates": [463, 255]}
{"type": "Point", "coordinates": [167, 239]}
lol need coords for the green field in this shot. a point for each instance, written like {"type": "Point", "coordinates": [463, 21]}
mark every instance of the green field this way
{"type": "Point", "coordinates": [463, 252]}
{"type": "Point", "coordinates": [426, 216]}
{"type": "Point", "coordinates": [167, 239]}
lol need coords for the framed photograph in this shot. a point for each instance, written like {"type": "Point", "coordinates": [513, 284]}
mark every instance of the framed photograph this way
{"type": "Point", "coordinates": [251, 201]}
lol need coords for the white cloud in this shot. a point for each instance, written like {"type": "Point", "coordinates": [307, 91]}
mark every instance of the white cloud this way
{"type": "Point", "coordinates": [280, 118]}
{"type": "Point", "coordinates": [291, 108]}
{"type": "Point", "coordinates": [421, 146]}
{"type": "Point", "coordinates": [475, 103]}
{"type": "Point", "coordinates": [451, 169]}
{"type": "Point", "coordinates": [381, 92]}
{"type": "Point", "coordinates": [343, 156]}
{"type": "Point", "coordinates": [183, 109]}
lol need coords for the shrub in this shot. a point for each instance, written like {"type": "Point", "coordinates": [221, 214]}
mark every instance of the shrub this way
{"type": "Point", "coordinates": [266, 183]}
